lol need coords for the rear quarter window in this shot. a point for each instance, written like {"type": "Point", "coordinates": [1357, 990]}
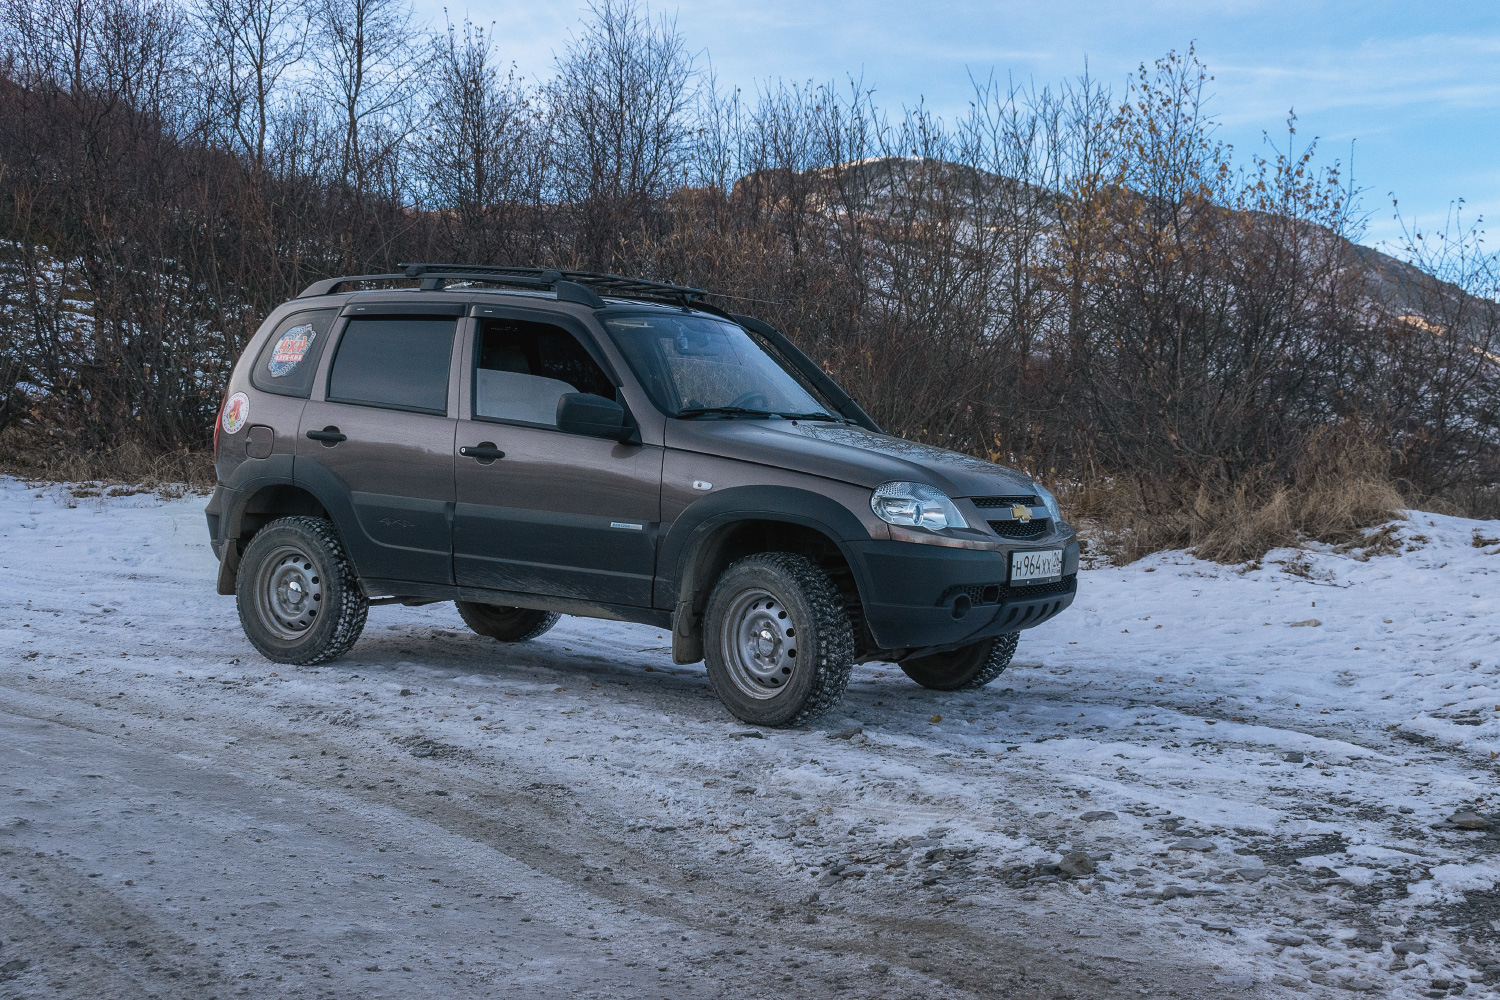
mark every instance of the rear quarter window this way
{"type": "Point", "coordinates": [290, 356]}
{"type": "Point", "coordinates": [398, 362]}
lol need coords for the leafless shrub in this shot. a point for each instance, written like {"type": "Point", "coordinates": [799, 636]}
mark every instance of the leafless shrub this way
{"type": "Point", "coordinates": [1340, 489]}
{"type": "Point", "coordinates": [30, 453]}
{"type": "Point", "coordinates": [1441, 378]}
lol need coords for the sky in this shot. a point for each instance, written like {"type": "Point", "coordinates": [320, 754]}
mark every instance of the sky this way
{"type": "Point", "coordinates": [1411, 89]}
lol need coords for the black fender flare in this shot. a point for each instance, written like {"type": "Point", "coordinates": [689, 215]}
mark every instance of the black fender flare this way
{"type": "Point", "coordinates": [249, 479]}
{"type": "Point", "coordinates": [677, 586]}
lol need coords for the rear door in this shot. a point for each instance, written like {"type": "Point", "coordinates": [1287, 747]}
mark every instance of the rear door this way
{"type": "Point", "coordinates": [377, 439]}
{"type": "Point", "coordinates": [540, 511]}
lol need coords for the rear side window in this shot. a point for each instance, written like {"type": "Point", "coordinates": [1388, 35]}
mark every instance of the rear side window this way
{"type": "Point", "coordinates": [290, 358]}
{"type": "Point", "coordinates": [399, 362]}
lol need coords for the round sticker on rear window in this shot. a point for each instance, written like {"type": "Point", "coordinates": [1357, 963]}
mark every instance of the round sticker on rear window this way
{"type": "Point", "coordinates": [236, 412]}
{"type": "Point", "coordinates": [290, 350]}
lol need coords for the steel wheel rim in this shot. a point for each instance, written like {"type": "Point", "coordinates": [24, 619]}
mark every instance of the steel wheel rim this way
{"type": "Point", "coordinates": [288, 592]}
{"type": "Point", "coordinates": [759, 644]}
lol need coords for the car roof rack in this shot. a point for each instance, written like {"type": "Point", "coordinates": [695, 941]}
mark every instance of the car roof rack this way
{"type": "Point", "coordinates": [584, 287]}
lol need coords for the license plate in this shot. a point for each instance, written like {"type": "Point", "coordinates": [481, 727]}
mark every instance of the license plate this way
{"type": "Point", "coordinates": [1043, 566]}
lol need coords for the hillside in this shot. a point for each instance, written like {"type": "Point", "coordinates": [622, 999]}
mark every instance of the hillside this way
{"type": "Point", "coordinates": [885, 186]}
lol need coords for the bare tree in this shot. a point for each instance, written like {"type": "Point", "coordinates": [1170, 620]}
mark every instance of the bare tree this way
{"type": "Point", "coordinates": [370, 55]}
{"type": "Point", "coordinates": [1439, 366]}
{"type": "Point", "coordinates": [248, 48]}
{"type": "Point", "coordinates": [482, 156]}
{"type": "Point", "coordinates": [717, 136]}
{"type": "Point", "coordinates": [620, 111]}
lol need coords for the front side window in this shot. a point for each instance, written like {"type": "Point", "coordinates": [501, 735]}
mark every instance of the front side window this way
{"type": "Point", "coordinates": [524, 368]}
{"type": "Point", "coordinates": [290, 358]}
{"type": "Point", "coordinates": [696, 365]}
{"type": "Point", "coordinates": [399, 362]}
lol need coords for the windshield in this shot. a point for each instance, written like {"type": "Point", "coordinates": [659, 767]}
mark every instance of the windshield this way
{"type": "Point", "coordinates": [696, 366]}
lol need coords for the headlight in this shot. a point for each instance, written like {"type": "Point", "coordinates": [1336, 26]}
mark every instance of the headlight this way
{"type": "Point", "coordinates": [1050, 502]}
{"type": "Point", "coordinates": [915, 505]}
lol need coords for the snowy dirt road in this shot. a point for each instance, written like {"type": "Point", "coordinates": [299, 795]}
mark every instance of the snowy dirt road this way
{"type": "Point", "coordinates": [1249, 774]}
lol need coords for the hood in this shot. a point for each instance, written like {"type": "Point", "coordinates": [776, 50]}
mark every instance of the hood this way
{"type": "Point", "coordinates": [847, 453]}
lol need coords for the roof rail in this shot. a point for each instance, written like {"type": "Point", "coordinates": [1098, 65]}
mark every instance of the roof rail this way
{"type": "Point", "coordinates": [330, 285]}
{"type": "Point", "coordinates": [583, 287]}
{"type": "Point", "coordinates": [436, 275]}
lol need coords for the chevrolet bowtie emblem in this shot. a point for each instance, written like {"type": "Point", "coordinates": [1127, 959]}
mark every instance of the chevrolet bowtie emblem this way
{"type": "Point", "coordinates": [1021, 512]}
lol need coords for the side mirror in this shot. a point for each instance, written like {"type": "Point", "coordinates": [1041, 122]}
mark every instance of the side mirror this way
{"type": "Point", "coordinates": [594, 416]}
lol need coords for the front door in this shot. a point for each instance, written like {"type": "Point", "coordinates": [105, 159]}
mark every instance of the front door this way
{"type": "Point", "coordinates": [540, 511]}
{"type": "Point", "coordinates": [380, 441]}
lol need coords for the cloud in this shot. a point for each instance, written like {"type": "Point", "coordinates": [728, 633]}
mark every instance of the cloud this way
{"type": "Point", "coordinates": [1436, 70]}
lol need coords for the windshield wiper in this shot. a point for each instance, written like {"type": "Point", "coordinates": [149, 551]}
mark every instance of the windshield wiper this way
{"type": "Point", "coordinates": [820, 415]}
{"type": "Point", "coordinates": [730, 411]}
{"type": "Point", "coordinates": [737, 411]}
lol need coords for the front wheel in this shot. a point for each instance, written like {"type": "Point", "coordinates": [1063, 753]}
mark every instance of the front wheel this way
{"type": "Point", "coordinates": [506, 624]}
{"type": "Point", "coordinates": [965, 668]}
{"type": "Point", "coordinates": [297, 595]}
{"type": "Point", "coordinates": [778, 644]}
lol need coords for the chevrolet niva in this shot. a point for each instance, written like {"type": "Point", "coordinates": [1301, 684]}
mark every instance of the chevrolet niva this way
{"type": "Point", "coordinates": [528, 443]}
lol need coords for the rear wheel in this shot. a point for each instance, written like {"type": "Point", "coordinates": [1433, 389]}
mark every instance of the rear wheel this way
{"type": "Point", "coordinates": [965, 668]}
{"type": "Point", "coordinates": [778, 644]}
{"type": "Point", "coordinates": [506, 624]}
{"type": "Point", "coordinates": [297, 595]}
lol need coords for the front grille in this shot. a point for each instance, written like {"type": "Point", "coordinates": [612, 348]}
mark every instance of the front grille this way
{"type": "Point", "coordinates": [1040, 589]}
{"type": "Point", "coordinates": [994, 593]}
{"type": "Point", "coordinates": [1021, 529]}
{"type": "Point", "coordinates": [1024, 501]}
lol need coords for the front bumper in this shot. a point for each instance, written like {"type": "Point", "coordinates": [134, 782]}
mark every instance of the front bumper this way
{"type": "Point", "coordinates": [919, 596]}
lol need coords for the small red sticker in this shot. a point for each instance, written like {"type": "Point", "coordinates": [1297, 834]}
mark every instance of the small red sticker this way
{"type": "Point", "coordinates": [236, 412]}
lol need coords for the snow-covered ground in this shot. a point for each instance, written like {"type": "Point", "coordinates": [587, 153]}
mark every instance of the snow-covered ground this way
{"type": "Point", "coordinates": [1249, 775]}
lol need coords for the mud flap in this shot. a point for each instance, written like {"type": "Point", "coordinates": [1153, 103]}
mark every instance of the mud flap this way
{"type": "Point", "coordinates": [687, 634]}
{"type": "Point", "coordinates": [229, 564]}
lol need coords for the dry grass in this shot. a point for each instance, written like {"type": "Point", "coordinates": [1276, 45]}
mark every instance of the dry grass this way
{"type": "Point", "coordinates": [38, 456]}
{"type": "Point", "coordinates": [1337, 494]}
{"type": "Point", "coordinates": [1481, 502]}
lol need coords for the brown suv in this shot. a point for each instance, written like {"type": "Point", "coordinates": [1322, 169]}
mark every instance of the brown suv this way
{"type": "Point", "coordinates": [531, 443]}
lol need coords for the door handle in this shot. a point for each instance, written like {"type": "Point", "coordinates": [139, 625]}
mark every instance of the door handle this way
{"type": "Point", "coordinates": [485, 452]}
{"type": "Point", "coordinates": [330, 436]}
